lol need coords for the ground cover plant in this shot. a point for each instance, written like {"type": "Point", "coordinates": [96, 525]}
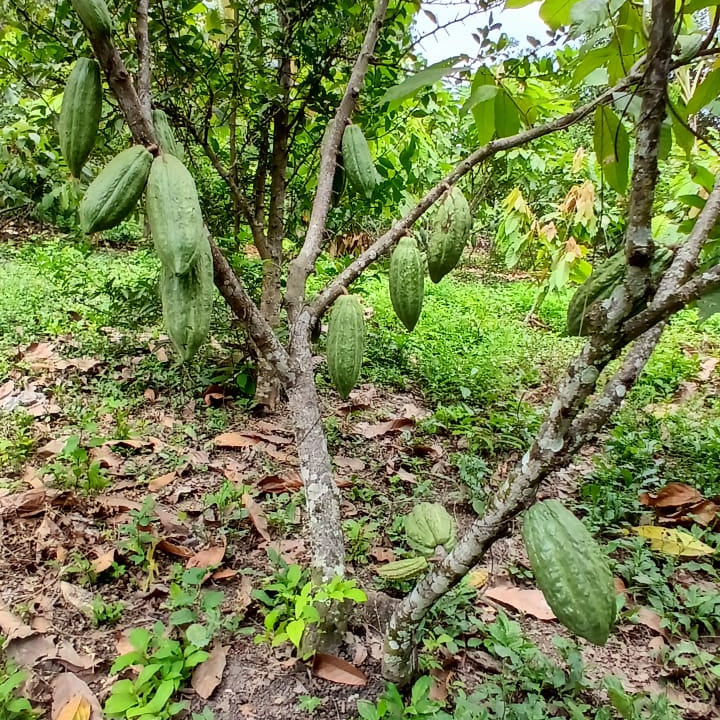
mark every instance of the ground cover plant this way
{"type": "Point", "coordinates": [501, 403]}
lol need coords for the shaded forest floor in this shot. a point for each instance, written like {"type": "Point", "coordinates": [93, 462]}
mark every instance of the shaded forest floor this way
{"type": "Point", "coordinates": [135, 491]}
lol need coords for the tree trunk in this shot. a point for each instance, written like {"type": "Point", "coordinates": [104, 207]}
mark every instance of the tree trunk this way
{"type": "Point", "coordinates": [267, 391]}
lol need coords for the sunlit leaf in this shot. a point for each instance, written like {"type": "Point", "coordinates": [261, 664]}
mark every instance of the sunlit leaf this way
{"type": "Point", "coordinates": [411, 85]}
{"type": "Point", "coordinates": [673, 542]}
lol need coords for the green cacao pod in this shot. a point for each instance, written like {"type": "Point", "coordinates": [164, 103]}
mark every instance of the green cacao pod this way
{"type": "Point", "coordinates": [345, 343]}
{"type": "Point", "coordinates": [113, 194]}
{"type": "Point", "coordinates": [80, 113]}
{"type": "Point", "coordinates": [571, 570]}
{"type": "Point", "coordinates": [407, 281]}
{"type": "Point", "coordinates": [429, 525]}
{"type": "Point", "coordinates": [94, 15]}
{"type": "Point", "coordinates": [358, 161]}
{"type": "Point", "coordinates": [165, 135]}
{"type": "Point", "coordinates": [173, 210]}
{"type": "Point", "coordinates": [601, 283]}
{"type": "Point", "coordinates": [187, 302]}
{"type": "Point", "coordinates": [403, 569]}
{"type": "Point", "coordinates": [450, 232]}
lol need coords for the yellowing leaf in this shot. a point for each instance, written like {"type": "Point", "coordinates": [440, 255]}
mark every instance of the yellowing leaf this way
{"type": "Point", "coordinates": [478, 578]}
{"type": "Point", "coordinates": [77, 708]}
{"type": "Point", "coordinates": [673, 542]}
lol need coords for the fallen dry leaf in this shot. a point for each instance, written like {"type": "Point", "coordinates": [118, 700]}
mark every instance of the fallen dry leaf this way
{"type": "Point", "coordinates": [674, 494]}
{"type": "Point", "coordinates": [382, 554]}
{"type": "Point", "coordinates": [395, 425]}
{"type": "Point", "coordinates": [103, 561]}
{"type": "Point", "coordinates": [337, 670]}
{"type": "Point", "coordinates": [439, 686]}
{"type": "Point", "coordinates": [707, 368]}
{"type": "Point", "coordinates": [248, 438]}
{"type": "Point", "coordinates": [673, 542]}
{"type": "Point", "coordinates": [224, 574]}
{"type": "Point", "coordinates": [13, 628]}
{"type": "Point", "coordinates": [28, 651]}
{"type": "Point", "coordinates": [650, 619]}
{"type": "Point", "coordinates": [243, 596]}
{"type": "Point", "coordinates": [161, 481]}
{"type": "Point", "coordinates": [78, 597]}
{"type": "Point", "coordinates": [531, 602]}
{"type": "Point", "coordinates": [207, 558]}
{"type": "Point", "coordinates": [354, 464]}
{"type": "Point", "coordinates": [257, 516]}
{"type": "Point", "coordinates": [172, 549]}
{"type": "Point", "coordinates": [67, 689]}
{"type": "Point", "coordinates": [77, 708]}
{"type": "Point", "coordinates": [208, 675]}
{"type": "Point", "coordinates": [288, 481]}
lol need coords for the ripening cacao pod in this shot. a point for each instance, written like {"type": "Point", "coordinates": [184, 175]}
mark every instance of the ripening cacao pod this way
{"type": "Point", "coordinates": [571, 570]}
{"type": "Point", "coordinates": [187, 302]}
{"type": "Point", "coordinates": [345, 343]}
{"type": "Point", "coordinates": [451, 228]}
{"type": "Point", "coordinates": [173, 210]}
{"type": "Point", "coordinates": [403, 569]}
{"type": "Point", "coordinates": [358, 161]}
{"type": "Point", "coordinates": [407, 281]}
{"type": "Point", "coordinates": [603, 281]}
{"type": "Point", "coordinates": [113, 194]}
{"type": "Point", "coordinates": [80, 113]}
{"type": "Point", "coordinates": [94, 15]}
{"type": "Point", "coordinates": [165, 135]}
{"type": "Point", "coordinates": [429, 525]}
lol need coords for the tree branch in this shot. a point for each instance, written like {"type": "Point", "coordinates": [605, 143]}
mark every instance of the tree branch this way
{"type": "Point", "coordinates": [144, 57]}
{"type": "Point", "coordinates": [300, 268]}
{"type": "Point", "coordinates": [384, 243]}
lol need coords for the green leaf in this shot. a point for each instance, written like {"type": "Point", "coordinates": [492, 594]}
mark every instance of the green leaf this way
{"type": "Point", "coordinates": [707, 90]}
{"type": "Point", "coordinates": [702, 176]}
{"type": "Point", "coordinates": [612, 148]}
{"type": "Point", "coordinates": [139, 638]}
{"type": "Point", "coordinates": [199, 656]}
{"type": "Point", "coordinates": [683, 137]}
{"type": "Point", "coordinates": [556, 13]}
{"type": "Point", "coordinates": [295, 630]}
{"type": "Point", "coordinates": [146, 673]}
{"type": "Point", "coordinates": [411, 85]}
{"type": "Point", "coordinates": [708, 305]}
{"type": "Point", "coordinates": [198, 635]}
{"type": "Point", "coordinates": [158, 702]}
{"type": "Point", "coordinates": [507, 115]}
{"type": "Point", "coordinates": [118, 703]}
{"type": "Point", "coordinates": [126, 660]}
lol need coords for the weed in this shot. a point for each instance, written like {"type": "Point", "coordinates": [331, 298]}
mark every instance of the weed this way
{"type": "Point", "coordinates": [12, 705]}
{"type": "Point", "coordinates": [310, 703]}
{"type": "Point", "coordinates": [75, 468]}
{"type": "Point", "coordinates": [360, 536]}
{"type": "Point", "coordinates": [106, 613]}
{"type": "Point", "coordinates": [138, 539]}
{"type": "Point", "coordinates": [16, 440]}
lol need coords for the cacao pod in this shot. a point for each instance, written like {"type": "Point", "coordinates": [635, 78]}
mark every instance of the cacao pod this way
{"type": "Point", "coordinates": [571, 570]}
{"type": "Point", "coordinates": [403, 569]}
{"type": "Point", "coordinates": [165, 135]}
{"type": "Point", "coordinates": [429, 525]}
{"type": "Point", "coordinates": [94, 15]}
{"type": "Point", "coordinates": [358, 161]}
{"type": "Point", "coordinates": [603, 281]}
{"type": "Point", "coordinates": [345, 343]}
{"type": "Point", "coordinates": [112, 195]}
{"type": "Point", "coordinates": [407, 281]}
{"type": "Point", "coordinates": [80, 113]}
{"type": "Point", "coordinates": [187, 302]}
{"type": "Point", "coordinates": [449, 234]}
{"type": "Point", "coordinates": [173, 210]}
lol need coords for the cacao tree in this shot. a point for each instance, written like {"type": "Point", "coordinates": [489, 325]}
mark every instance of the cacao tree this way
{"type": "Point", "coordinates": [243, 51]}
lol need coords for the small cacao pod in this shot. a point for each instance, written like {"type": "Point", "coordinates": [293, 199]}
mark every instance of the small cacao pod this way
{"type": "Point", "coordinates": [345, 343]}
{"type": "Point", "coordinates": [173, 210]}
{"type": "Point", "coordinates": [407, 281]}
{"type": "Point", "coordinates": [358, 161]}
{"type": "Point", "coordinates": [429, 525]}
{"type": "Point", "coordinates": [165, 135]}
{"type": "Point", "coordinates": [603, 281]}
{"type": "Point", "coordinates": [451, 228]}
{"type": "Point", "coordinates": [113, 194]}
{"type": "Point", "coordinates": [571, 570]}
{"type": "Point", "coordinates": [187, 302]}
{"type": "Point", "coordinates": [94, 15]}
{"type": "Point", "coordinates": [80, 113]}
{"type": "Point", "coordinates": [403, 569]}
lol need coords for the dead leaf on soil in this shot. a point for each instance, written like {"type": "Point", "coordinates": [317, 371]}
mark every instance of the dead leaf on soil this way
{"type": "Point", "coordinates": [161, 481]}
{"type": "Point", "coordinates": [673, 542]}
{"type": "Point", "coordinates": [376, 430]}
{"type": "Point", "coordinates": [439, 685]}
{"type": "Point", "coordinates": [707, 368]}
{"type": "Point", "coordinates": [224, 574]}
{"type": "Point", "coordinates": [52, 448]}
{"type": "Point", "coordinates": [28, 651]}
{"type": "Point", "coordinates": [529, 601]}
{"type": "Point", "coordinates": [13, 628]}
{"type": "Point", "coordinates": [32, 502]}
{"type": "Point", "coordinates": [69, 690]}
{"type": "Point", "coordinates": [172, 549]}
{"type": "Point", "coordinates": [354, 464]}
{"type": "Point", "coordinates": [674, 494]}
{"type": "Point", "coordinates": [103, 561]}
{"type": "Point", "coordinates": [210, 557]}
{"type": "Point", "coordinates": [650, 619]}
{"type": "Point", "coordinates": [77, 597]}
{"type": "Point", "coordinates": [382, 554]}
{"type": "Point", "coordinates": [69, 657]}
{"type": "Point", "coordinates": [337, 670]}
{"type": "Point", "coordinates": [249, 438]}
{"type": "Point", "coordinates": [291, 550]}
{"type": "Point", "coordinates": [288, 481]}
{"type": "Point", "coordinates": [257, 516]}
{"type": "Point", "coordinates": [208, 675]}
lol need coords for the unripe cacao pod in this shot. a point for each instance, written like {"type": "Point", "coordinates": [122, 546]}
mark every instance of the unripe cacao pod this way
{"type": "Point", "coordinates": [403, 569]}
{"type": "Point", "coordinates": [165, 135]}
{"type": "Point", "coordinates": [187, 302]}
{"type": "Point", "coordinates": [80, 113]}
{"type": "Point", "coordinates": [571, 570]}
{"type": "Point", "coordinates": [603, 281]}
{"type": "Point", "coordinates": [358, 161]}
{"type": "Point", "coordinates": [407, 281]}
{"type": "Point", "coordinates": [94, 15]}
{"type": "Point", "coordinates": [173, 210]}
{"type": "Point", "coordinates": [113, 194]}
{"type": "Point", "coordinates": [345, 343]}
{"type": "Point", "coordinates": [429, 525]}
{"type": "Point", "coordinates": [451, 228]}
